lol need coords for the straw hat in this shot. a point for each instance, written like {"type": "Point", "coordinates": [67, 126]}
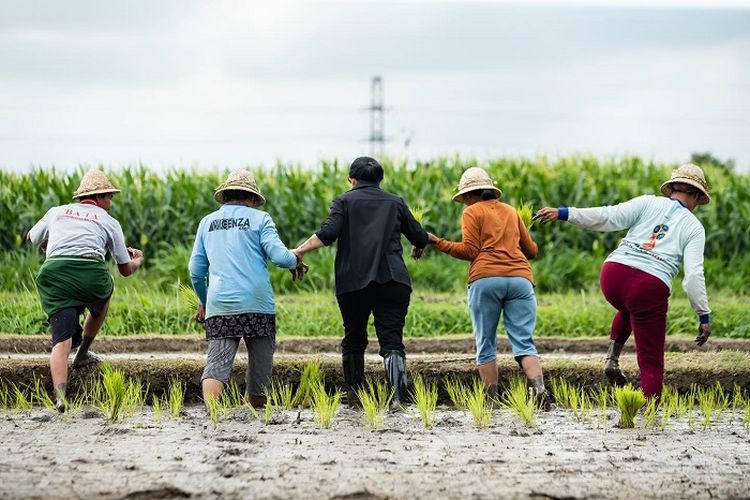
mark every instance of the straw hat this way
{"type": "Point", "coordinates": [472, 179]}
{"type": "Point", "coordinates": [239, 180]}
{"type": "Point", "coordinates": [692, 175]}
{"type": "Point", "coordinates": [94, 182]}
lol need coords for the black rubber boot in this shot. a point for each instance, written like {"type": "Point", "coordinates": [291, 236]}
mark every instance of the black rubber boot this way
{"type": "Point", "coordinates": [354, 376]}
{"type": "Point", "coordinates": [612, 365]}
{"type": "Point", "coordinates": [539, 393]}
{"type": "Point", "coordinates": [395, 373]}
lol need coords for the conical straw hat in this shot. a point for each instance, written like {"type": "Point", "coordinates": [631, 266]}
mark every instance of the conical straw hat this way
{"type": "Point", "coordinates": [94, 182]}
{"type": "Point", "coordinates": [473, 179]}
{"type": "Point", "coordinates": [692, 175]}
{"type": "Point", "coordinates": [239, 180]}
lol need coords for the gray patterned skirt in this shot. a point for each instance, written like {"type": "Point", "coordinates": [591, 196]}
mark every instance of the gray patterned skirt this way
{"type": "Point", "coordinates": [241, 325]}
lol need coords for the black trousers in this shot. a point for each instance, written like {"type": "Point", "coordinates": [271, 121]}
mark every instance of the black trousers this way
{"type": "Point", "coordinates": [388, 303]}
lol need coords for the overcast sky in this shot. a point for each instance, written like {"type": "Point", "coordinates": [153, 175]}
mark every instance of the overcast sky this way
{"type": "Point", "coordinates": [228, 84]}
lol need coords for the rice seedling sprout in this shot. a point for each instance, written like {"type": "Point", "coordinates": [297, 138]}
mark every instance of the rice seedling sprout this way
{"type": "Point", "coordinates": [629, 401]}
{"type": "Point", "coordinates": [325, 405]}
{"type": "Point", "coordinates": [425, 397]}
{"type": "Point", "coordinates": [457, 392]}
{"type": "Point", "coordinates": [42, 397]}
{"type": "Point", "coordinates": [517, 399]}
{"type": "Point", "coordinates": [311, 377]}
{"type": "Point", "coordinates": [479, 405]}
{"type": "Point", "coordinates": [375, 398]}
{"type": "Point", "coordinates": [114, 393]}
{"type": "Point", "coordinates": [158, 408]}
{"type": "Point", "coordinates": [175, 396]}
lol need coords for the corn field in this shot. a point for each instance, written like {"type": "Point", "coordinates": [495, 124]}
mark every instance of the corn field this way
{"type": "Point", "coordinates": [161, 210]}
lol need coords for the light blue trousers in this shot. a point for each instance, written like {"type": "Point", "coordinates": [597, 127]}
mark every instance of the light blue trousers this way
{"type": "Point", "coordinates": [514, 298]}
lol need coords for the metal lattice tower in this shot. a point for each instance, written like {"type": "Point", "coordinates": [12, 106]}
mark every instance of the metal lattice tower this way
{"type": "Point", "coordinates": [377, 117]}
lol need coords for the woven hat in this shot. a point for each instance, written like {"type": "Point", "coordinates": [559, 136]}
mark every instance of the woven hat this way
{"type": "Point", "coordinates": [239, 180]}
{"type": "Point", "coordinates": [472, 179]}
{"type": "Point", "coordinates": [692, 175]}
{"type": "Point", "coordinates": [94, 182]}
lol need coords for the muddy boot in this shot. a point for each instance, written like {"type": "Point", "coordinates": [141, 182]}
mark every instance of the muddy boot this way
{"type": "Point", "coordinates": [354, 377]}
{"type": "Point", "coordinates": [255, 401]}
{"type": "Point", "coordinates": [538, 392]}
{"type": "Point", "coordinates": [612, 365]}
{"type": "Point", "coordinates": [395, 373]}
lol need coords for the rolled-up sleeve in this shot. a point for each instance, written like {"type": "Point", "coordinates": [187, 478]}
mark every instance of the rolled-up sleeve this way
{"type": "Point", "coordinates": [331, 229]}
{"type": "Point", "coordinates": [276, 251]}
{"type": "Point", "coordinates": [198, 266]}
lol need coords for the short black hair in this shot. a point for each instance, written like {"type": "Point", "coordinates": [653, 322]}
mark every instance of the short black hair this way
{"type": "Point", "coordinates": [237, 195]}
{"type": "Point", "coordinates": [92, 196]}
{"type": "Point", "coordinates": [485, 194]}
{"type": "Point", "coordinates": [367, 169]}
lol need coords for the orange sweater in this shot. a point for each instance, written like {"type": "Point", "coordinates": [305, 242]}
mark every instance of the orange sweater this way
{"type": "Point", "coordinates": [495, 240]}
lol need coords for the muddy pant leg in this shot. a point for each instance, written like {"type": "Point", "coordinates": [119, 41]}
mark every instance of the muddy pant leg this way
{"type": "Point", "coordinates": [259, 364]}
{"type": "Point", "coordinates": [355, 310]}
{"type": "Point", "coordinates": [390, 307]}
{"type": "Point", "coordinates": [648, 302]}
{"type": "Point", "coordinates": [612, 280]}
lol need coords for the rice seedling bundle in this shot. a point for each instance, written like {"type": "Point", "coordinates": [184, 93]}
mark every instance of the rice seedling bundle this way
{"type": "Point", "coordinates": [158, 408]}
{"type": "Point", "coordinates": [375, 398]}
{"type": "Point", "coordinates": [457, 392]}
{"type": "Point", "coordinates": [479, 404]}
{"type": "Point", "coordinates": [517, 399]}
{"type": "Point", "coordinates": [21, 403]}
{"type": "Point", "coordinates": [310, 378]}
{"type": "Point", "coordinates": [175, 396]}
{"type": "Point", "coordinates": [42, 397]}
{"type": "Point", "coordinates": [325, 405]}
{"type": "Point", "coordinates": [629, 401]}
{"type": "Point", "coordinates": [282, 395]}
{"type": "Point", "coordinates": [425, 396]}
{"type": "Point", "coordinates": [114, 393]}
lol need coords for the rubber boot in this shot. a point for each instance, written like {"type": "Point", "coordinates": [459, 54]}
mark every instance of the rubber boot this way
{"type": "Point", "coordinates": [255, 401]}
{"type": "Point", "coordinates": [612, 365]}
{"type": "Point", "coordinates": [539, 393]}
{"type": "Point", "coordinates": [354, 377]}
{"type": "Point", "coordinates": [395, 373]}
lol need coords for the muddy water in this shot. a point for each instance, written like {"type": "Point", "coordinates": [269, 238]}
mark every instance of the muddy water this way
{"type": "Point", "coordinates": [83, 457]}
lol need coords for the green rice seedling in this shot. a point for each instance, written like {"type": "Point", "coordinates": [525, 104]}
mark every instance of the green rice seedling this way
{"type": "Point", "coordinates": [418, 214]}
{"type": "Point", "coordinates": [425, 397]}
{"type": "Point", "coordinates": [231, 397]}
{"type": "Point", "coordinates": [268, 411]}
{"type": "Point", "coordinates": [629, 401]}
{"type": "Point", "coordinates": [21, 403]}
{"type": "Point", "coordinates": [457, 392]}
{"type": "Point", "coordinates": [479, 405]}
{"type": "Point", "coordinates": [566, 394]}
{"type": "Point", "coordinates": [158, 408]}
{"type": "Point", "coordinates": [282, 395]}
{"type": "Point", "coordinates": [42, 397]}
{"type": "Point", "coordinates": [738, 401]}
{"type": "Point", "coordinates": [526, 213]}
{"type": "Point", "coordinates": [602, 397]}
{"type": "Point", "coordinates": [517, 399]}
{"type": "Point", "coordinates": [325, 405]}
{"type": "Point", "coordinates": [585, 406]}
{"type": "Point", "coordinates": [650, 413]}
{"type": "Point", "coordinates": [311, 377]}
{"type": "Point", "coordinates": [667, 410]}
{"type": "Point", "coordinates": [722, 399]}
{"type": "Point", "coordinates": [707, 402]}
{"type": "Point", "coordinates": [175, 396]}
{"type": "Point", "coordinates": [114, 393]}
{"type": "Point", "coordinates": [134, 396]}
{"type": "Point", "coordinates": [252, 410]}
{"type": "Point", "coordinates": [746, 418]}
{"type": "Point", "coordinates": [4, 396]}
{"type": "Point", "coordinates": [375, 398]}
{"type": "Point", "coordinates": [214, 407]}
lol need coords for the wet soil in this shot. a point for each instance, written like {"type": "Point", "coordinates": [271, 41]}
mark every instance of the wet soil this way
{"type": "Point", "coordinates": [43, 456]}
{"type": "Point", "coordinates": [27, 344]}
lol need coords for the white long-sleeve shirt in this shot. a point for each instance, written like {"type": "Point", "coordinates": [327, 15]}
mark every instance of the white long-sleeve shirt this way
{"type": "Point", "coordinates": [662, 234]}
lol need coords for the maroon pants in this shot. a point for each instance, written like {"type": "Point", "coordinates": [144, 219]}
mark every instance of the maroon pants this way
{"type": "Point", "coordinates": [641, 301]}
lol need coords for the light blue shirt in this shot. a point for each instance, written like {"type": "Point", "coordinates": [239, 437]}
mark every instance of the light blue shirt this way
{"type": "Point", "coordinates": [232, 245]}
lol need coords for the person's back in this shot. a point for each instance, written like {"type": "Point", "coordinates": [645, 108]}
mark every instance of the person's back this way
{"type": "Point", "coordinates": [237, 240]}
{"type": "Point", "coordinates": [503, 247]}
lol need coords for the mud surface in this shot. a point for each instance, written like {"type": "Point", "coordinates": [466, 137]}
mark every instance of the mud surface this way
{"type": "Point", "coordinates": [43, 456]}
{"type": "Point", "coordinates": [28, 344]}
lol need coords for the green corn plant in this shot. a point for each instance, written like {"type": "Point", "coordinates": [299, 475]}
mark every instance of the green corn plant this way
{"type": "Point", "coordinates": [42, 397]}
{"type": "Point", "coordinates": [517, 399]}
{"type": "Point", "coordinates": [457, 392]}
{"type": "Point", "coordinates": [479, 405]}
{"type": "Point", "coordinates": [175, 396]}
{"type": "Point", "coordinates": [325, 405]}
{"type": "Point", "coordinates": [629, 401]}
{"type": "Point", "coordinates": [158, 407]}
{"type": "Point", "coordinates": [114, 393]}
{"type": "Point", "coordinates": [425, 397]}
{"type": "Point", "coordinates": [311, 377]}
{"type": "Point", "coordinates": [375, 398]}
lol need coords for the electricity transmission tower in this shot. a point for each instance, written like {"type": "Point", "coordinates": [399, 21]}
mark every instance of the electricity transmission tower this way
{"type": "Point", "coordinates": [377, 117]}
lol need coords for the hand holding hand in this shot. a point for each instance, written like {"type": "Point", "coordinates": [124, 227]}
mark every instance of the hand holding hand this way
{"type": "Point", "coordinates": [704, 331]}
{"type": "Point", "coordinates": [200, 314]}
{"type": "Point", "coordinates": [546, 214]}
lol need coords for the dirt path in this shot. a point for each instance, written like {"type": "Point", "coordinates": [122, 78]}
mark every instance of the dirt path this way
{"type": "Point", "coordinates": [27, 344]}
{"type": "Point", "coordinates": [43, 457]}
